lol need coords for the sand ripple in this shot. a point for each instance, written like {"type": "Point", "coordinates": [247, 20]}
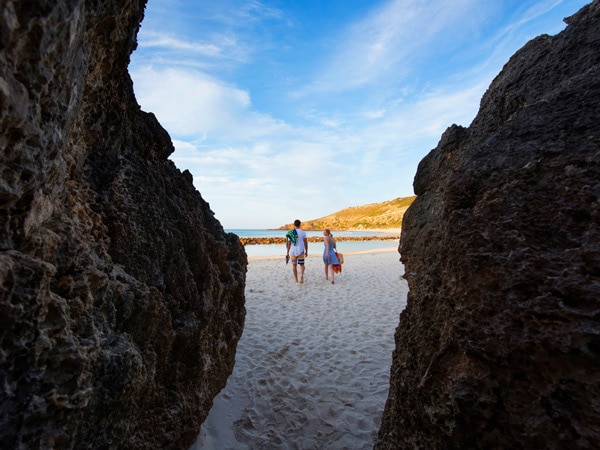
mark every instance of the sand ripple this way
{"type": "Point", "coordinates": [312, 366]}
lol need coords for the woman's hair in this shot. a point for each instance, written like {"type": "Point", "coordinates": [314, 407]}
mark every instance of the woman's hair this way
{"type": "Point", "coordinates": [328, 231]}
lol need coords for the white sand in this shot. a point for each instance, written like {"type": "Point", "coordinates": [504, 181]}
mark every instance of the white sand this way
{"type": "Point", "coordinates": [312, 366]}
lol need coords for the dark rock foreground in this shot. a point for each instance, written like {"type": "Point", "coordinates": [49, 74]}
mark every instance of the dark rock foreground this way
{"type": "Point", "coordinates": [499, 346]}
{"type": "Point", "coordinates": [121, 298]}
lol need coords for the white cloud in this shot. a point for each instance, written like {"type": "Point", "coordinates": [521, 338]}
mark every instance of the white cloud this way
{"type": "Point", "coordinates": [332, 122]}
{"type": "Point", "coordinates": [388, 42]}
{"type": "Point", "coordinates": [244, 162]}
{"type": "Point", "coordinates": [536, 10]}
{"type": "Point", "coordinates": [193, 104]}
{"type": "Point", "coordinates": [189, 104]}
{"type": "Point", "coordinates": [314, 171]}
{"type": "Point", "coordinates": [354, 133]}
{"type": "Point", "coordinates": [277, 179]}
{"type": "Point", "coordinates": [375, 114]}
{"type": "Point", "coordinates": [167, 42]}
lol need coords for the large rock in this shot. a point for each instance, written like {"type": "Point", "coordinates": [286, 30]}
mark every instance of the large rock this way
{"type": "Point", "coordinates": [499, 345]}
{"type": "Point", "coordinates": [121, 297]}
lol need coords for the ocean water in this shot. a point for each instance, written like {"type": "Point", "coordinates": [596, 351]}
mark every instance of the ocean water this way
{"type": "Point", "coordinates": [314, 247]}
{"type": "Point", "coordinates": [266, 233]}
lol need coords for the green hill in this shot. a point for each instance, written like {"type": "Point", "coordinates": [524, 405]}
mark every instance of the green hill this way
{"type": "Point", "coordinates": [375, 215]}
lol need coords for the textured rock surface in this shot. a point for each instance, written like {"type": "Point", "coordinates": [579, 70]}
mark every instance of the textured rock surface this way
{"type": "Point", "coordinates": [499, 345]}
{"type": "Point", "coordinates": [121, 298]}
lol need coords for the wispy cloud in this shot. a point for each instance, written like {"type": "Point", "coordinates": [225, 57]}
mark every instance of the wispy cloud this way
{"type": "Point", "coordinates": [346, 125]}
{"type": "Point", "coordinates": [193, 104]}
{"type": "Point", "coordinates": [204, 33]}
{"type": "Point", "coordinates": [319, 169]}
{"type": "Point", "coordinates": [535, 11]}
{"type": "Point", "coordinates": [170, 43]}
{"type": "Point", "coordinates": [388, 43]}
{"type": "Point", "coordinates": [278, 178]}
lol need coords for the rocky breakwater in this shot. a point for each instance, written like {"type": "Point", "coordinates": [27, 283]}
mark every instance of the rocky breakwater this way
{"type": "Point", "coordinates": [499, 345]}
{"type": "Point", "coordinates": [121, 297]}
{"type": "Point", "coordinates": [282, 240]}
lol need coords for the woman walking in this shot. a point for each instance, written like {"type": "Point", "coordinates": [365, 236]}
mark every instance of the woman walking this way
{"type": "Point", "coordinates": [330, 258]}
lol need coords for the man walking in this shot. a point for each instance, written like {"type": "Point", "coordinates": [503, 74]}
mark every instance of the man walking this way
{"type": "Point", "coordinates": [297, 248]}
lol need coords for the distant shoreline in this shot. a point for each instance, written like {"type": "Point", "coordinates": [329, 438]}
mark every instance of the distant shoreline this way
{"type": "Point", "coordinates": [396, 230]}
{"type": "Point", "coordinates": [281, 240]}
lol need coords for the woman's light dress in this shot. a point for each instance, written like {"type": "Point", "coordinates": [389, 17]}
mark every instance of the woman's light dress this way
{"type": "Point", "coordinates": [329, 256]}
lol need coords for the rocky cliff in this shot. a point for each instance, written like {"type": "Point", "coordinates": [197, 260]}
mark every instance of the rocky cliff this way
{"type": "Point", "coordinates": [499, 345]}
{"type": "Point", "coordinates": [121, 298]}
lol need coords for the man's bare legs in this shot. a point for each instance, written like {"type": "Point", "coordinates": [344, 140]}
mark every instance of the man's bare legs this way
{"type": "Point", "coordinates": [295, 263]}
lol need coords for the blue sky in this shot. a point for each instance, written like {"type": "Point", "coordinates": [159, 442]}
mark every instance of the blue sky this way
{"type": "Point", "coordinates": [300, 108]}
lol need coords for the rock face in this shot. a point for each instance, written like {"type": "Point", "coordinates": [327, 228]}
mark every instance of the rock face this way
{"type": "Point", "coordinates": [121, 297]}
{"type": "Point", "coordinates": [499, 346]}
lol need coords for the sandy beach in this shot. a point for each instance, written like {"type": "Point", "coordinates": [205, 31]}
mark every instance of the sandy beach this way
{"type": "Point", "coordinates": [312, 366]}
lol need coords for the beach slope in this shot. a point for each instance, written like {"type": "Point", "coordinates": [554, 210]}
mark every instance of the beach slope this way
{"type": "Point", "coordinates": [312, 366]}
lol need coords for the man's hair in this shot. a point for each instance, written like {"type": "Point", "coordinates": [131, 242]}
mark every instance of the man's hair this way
{"type": "Point", "coordinates": [297, 223]}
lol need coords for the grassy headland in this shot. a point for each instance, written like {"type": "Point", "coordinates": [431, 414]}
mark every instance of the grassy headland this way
{"type": "Point", "coordinates": [385, 215]}
{"type": "Point", "coordinates": [375, 216]}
